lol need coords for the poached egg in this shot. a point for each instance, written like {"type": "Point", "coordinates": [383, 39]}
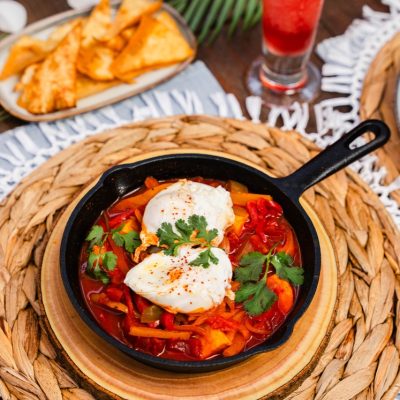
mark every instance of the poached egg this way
{"type": "Point", "coordinates": [183, 199]}
{"type": "Point", "coordinates": [172, 283]}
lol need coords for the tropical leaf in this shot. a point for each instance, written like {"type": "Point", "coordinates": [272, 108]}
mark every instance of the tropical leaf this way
{"type": "Point", "coordinates": [4, 115]}
{"type": "Point", "coordinates": [206, 18]}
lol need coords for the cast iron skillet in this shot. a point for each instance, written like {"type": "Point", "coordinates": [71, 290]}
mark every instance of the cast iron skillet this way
{"type": "Point", "coordinates": [122, 179]}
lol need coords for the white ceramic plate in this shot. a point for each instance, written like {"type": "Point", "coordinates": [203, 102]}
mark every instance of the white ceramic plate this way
{"type": "Point", "coordinates": [42, 29]}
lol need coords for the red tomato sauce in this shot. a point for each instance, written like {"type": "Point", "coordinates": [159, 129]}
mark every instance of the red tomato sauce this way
{"type": "Point", "coordinates": [265, 227]}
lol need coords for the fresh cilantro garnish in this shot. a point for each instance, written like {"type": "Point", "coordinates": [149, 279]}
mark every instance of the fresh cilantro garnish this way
{"type": "Point", "coordinates": [173, 240]}
{"type": "Point", "coordinates": [95, 236]}
{"type": "Point", "coordinates": [285, 268]}
{"type": "Point", "coordinates": [194, 232]}
{"type": "Point", "coordinates": [130, 240]}
{"type": "Point", "coordinates": [100, 261]}
{"type": "Point", "coordinates": [204, 259]}
{"type": "Point", "coordinates": [254, 292]}
{"type": "Point", "coordinates": [251, 266]}
{"type": "Point", "coordinates": [262, 300]}
{"type": "Point", "coordinates": [199, 223]}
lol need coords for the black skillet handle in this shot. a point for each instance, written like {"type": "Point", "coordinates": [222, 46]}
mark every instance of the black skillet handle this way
{"type": "Point", "coordinates": [335, 157]}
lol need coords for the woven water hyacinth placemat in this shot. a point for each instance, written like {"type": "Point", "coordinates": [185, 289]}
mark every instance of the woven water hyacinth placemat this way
{"type": "Point", "coordinates": [379, 99]}
{"type": "Point", "coordinates": [361, 360]}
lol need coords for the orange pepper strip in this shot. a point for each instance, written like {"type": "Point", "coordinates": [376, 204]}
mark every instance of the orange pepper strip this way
{"type": "Point", "coordinates": [236, 347]}
{"type": "Point", "coordinates": [144, 331]}
{"type": "Point", "coordinates": [290, 245]}
{"type": "Point", "coordinates": [151, 182]}
{"type": "Point", "coordinates": [253, 329]}
{"type": "Point", "coordinates": [140, 199]}
{"type": "Point", "coordinates": [101, 298]}
{"type": "Point", "coordinates": [241, 199]}
{"type": "Point", "coordinates": [190, 328]}
{"type": "Point", "coordinates": [284, 292]}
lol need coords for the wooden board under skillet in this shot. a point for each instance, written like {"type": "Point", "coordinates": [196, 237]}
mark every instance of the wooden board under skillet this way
{"type": "Point", "coordinates": [274, 373]}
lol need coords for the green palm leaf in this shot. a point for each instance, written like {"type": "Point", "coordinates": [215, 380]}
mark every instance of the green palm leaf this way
{"type": "Point", "coordinates": [206, 18]}
{"type": "Point", "coordinates": [4, 115]}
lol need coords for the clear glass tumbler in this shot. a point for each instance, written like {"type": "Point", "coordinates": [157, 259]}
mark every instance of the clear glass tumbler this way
{"type": "Point", "coordinates": [284, 74]}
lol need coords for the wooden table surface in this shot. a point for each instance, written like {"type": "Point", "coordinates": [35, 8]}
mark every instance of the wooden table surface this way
{"type": "Point", "coordinates": [229, 59]}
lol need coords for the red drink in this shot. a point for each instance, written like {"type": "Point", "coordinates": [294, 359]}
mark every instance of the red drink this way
{"type": "Point", "coordinates": [289, 25]}
{"type": "Point", "coordinates": [284, 74]}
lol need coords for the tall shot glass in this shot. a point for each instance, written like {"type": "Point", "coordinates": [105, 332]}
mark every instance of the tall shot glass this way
{"type": "Point", "coordinates": [284, 74]}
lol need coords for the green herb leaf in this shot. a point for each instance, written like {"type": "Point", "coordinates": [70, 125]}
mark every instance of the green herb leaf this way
{"type": "Point", "coordinates": [199, 223]}
{"type": "Point", "coordinates": [95, 236]}
{"type": "Point", "coordinates": [130, 241]}
{"type": "Point", "coordinates": [262, 300]}
{"type": "Point", "coordinates": [245, 291]}
{"type": "Point", "coordinates": [93, 260]}
{"type": "Point", "coordinates": [204, 259]}
{"type": "Point", "coordinates": [118, 239]}
{"type": "Point", "coordinates": [94, 269]}
{"type": "Point", "coordinates": [251, 266]}
{"type": "Point", "coordinates": [109, 260]}
{"type": "Point", "coordinates": [285, 268]}
{"type": "Point", "coordinates": [169, 238]}
{"type": "Point", "coordinates": [184, 229]}
{"type": "Point", "coordinates": [100, 275]}
{"type": "Point", "coordinates": [183, 234]}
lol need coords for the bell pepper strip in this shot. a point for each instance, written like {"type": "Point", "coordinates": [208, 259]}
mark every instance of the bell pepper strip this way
{"type": "Point", "coordinates": [238, 344]}
{"type": "Point", "coordinates": [241, 198]}
{"type": "Point", "coordinates": [283, 290]}
{"type": "Point", "coordinates": [190, 328]}
{"type": "Point", "coordinates": [256, 330]}
{"type": "Point", "coordinates": [129, 304]}
{"type": "Point", "coordinates": [141, 199]}
{"type": "Point", "coordinates": [101, 298]}
{"type": "Point", "coordinates": [151, 182]}
{"type": "Point", "coordinates": [140, 302]}
{"type": "Point", "coordinates": [213, 342]}
{"type": "Point", "coordinates": [167, 320]}
{"type": "Point", "coordinates": [194, 347]}
{"type": "Point", "coordinates": [234, 186]}
{"type": "Point", "coordinates": [258, 244]}
{"type": "Point", "coordinates": [217, 322]}
{"type": "Point", "coordinates": [151, 314]}
{"type": "Point", "coordinates": [122, 264]}
{"type": "Point", "coordinates": [118, 219]}
{"type": "Point", "coordinates": [289, 245]}
{"type": "Point", "coordinates": [117, 276]}
{"type": "Point", "coordinates": [130, 225]}
{"type": "Point", "coordinates": [145, 331]}
{"type": "Point", "coordinates": [251, 207]}
{"type": "Point", "coordinates": [241, 217]}
{"type": "Point", "coordinates": [114, 293]}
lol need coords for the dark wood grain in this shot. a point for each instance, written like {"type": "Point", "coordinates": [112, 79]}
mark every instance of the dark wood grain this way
{"type": "Point", "coordinates": [229, 58]}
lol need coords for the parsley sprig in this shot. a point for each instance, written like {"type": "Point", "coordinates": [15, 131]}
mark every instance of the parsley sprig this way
{"type": "Point", "coordinates": [194, 232]}
{"type": "Point", "coordinates": [254, 292]}
{"type": "Point", "coordinates": [99, 261]}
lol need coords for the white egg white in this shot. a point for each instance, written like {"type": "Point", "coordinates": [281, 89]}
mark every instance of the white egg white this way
{"type": "Point", "coordinates": [170, 282]}
{"type": "Point", "coordinates": [183, 199]}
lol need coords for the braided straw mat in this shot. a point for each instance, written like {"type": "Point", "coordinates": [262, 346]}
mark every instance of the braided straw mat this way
{"type": "Point", "coordinates": [361, 360]}
{"type": "Point", "coordinates": [378, 100]}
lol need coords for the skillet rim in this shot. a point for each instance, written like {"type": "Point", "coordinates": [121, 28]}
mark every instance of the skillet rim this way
{"type": "Point", "coordinates": [169, 364]}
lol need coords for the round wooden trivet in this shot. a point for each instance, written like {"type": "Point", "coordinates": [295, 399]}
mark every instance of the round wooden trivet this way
{"type": "Point", "coordinates": [274, 373]}
{"type": "Point", "coordinates": [361, 360]}
{"type": "Point", "coordinates": [379, 100]}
